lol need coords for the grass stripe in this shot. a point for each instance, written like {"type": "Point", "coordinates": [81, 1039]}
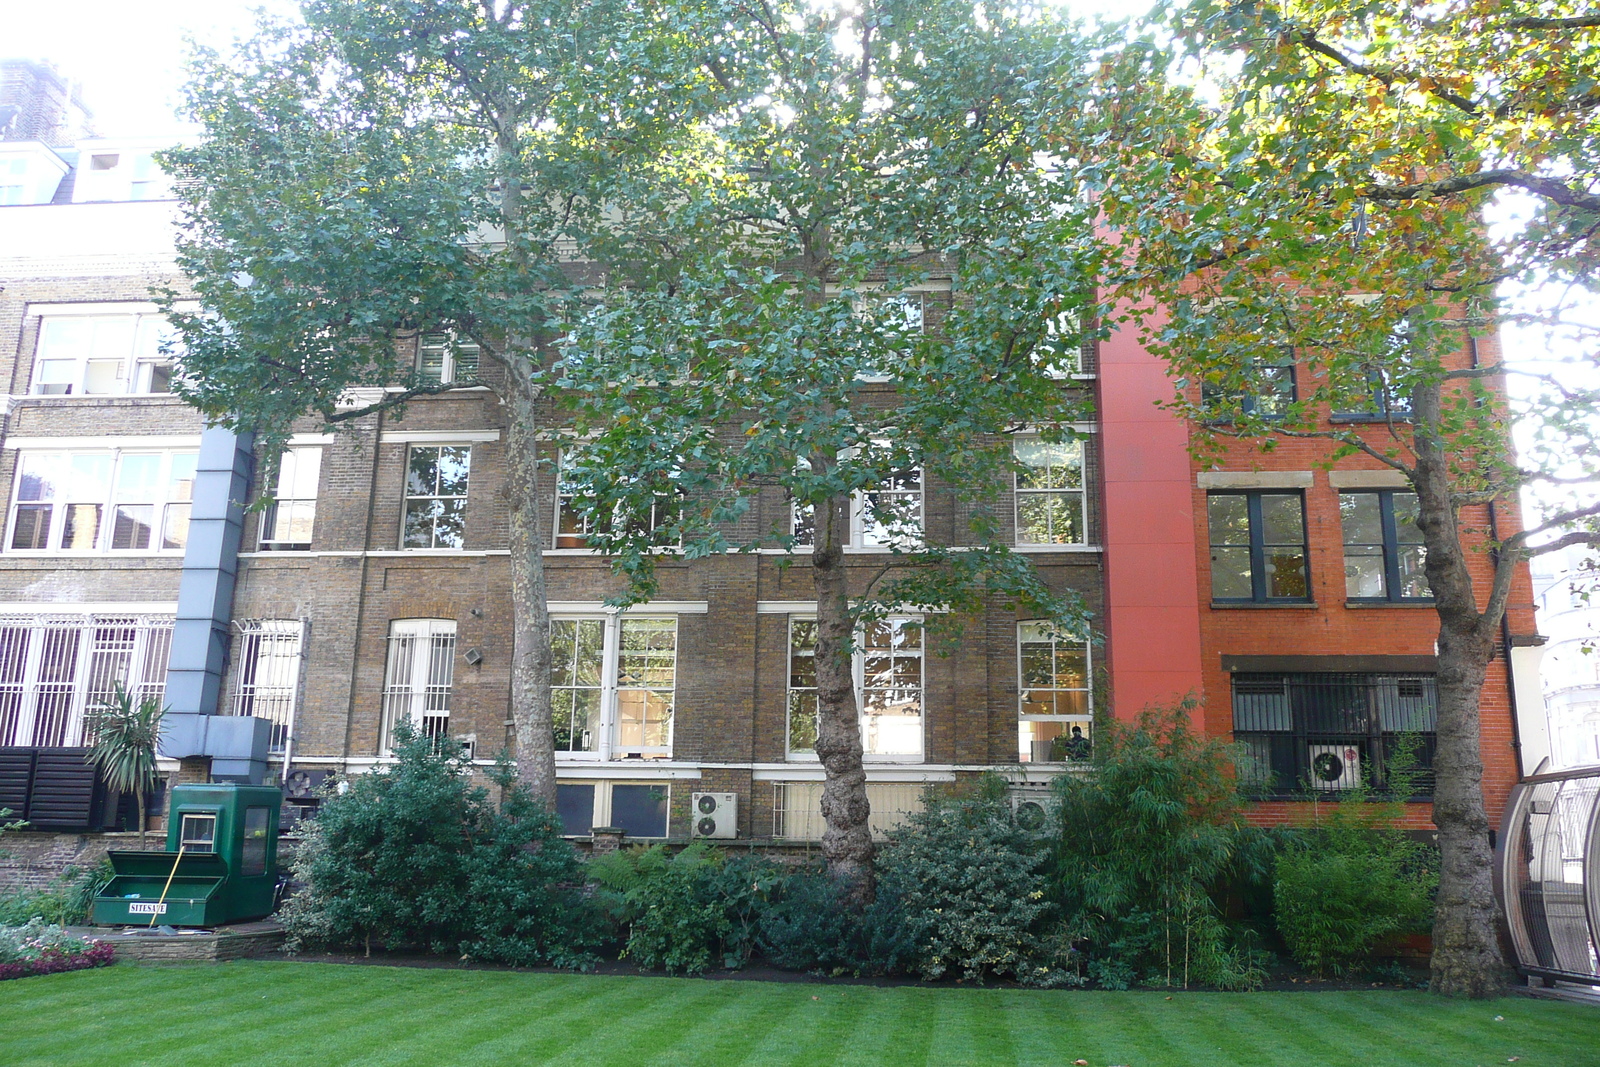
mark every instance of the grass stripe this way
{"type": "Point", "coordinates": [257, 1012]}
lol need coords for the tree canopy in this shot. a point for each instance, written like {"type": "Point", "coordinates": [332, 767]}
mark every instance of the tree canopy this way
{"type": "Point", "coordinates": [1313, 183]}
{"type": "Point", "coordinates": [855, 283]}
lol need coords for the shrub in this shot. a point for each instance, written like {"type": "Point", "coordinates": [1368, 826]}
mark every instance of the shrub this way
{"type": "Point", "coordinates": [1142, 849]}
{"type": "Point", "coordinates": [810, 925]}
{"type": "Point", "coordinates": [415, 856]}
{"type": "Point", "coordinates": [44, 948]}
{"type": "Point", "coordinates": [687, 911]}
{"type": "Point", "coordinates": [1354, 878]}
{"type": "Point", "coordinates": [960, 891]}
{"type": "Point", "coordinates": [64, 902]}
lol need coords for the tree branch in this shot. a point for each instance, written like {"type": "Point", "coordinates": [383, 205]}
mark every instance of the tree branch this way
{"type": "Point", "coordinates": [397, 399]}
{"type": "Point", "coordinates": [1548, 188]}
{"type": "Point", "coordinates": [1580, 22]}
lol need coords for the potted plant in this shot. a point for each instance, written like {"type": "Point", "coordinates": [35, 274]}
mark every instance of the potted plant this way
{"type": "Point", "coordinates": [125, 731]}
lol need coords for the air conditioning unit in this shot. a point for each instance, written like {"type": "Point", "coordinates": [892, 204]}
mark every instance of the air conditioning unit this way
{"type": "Point", "coordinates": [1335, 766]}
{"type": "Point", "coordinates": [304, 785]}
{"type": "Point", "coordinates": [1032, 810]}
{"type": "Point", "coordinates": [715, 814]}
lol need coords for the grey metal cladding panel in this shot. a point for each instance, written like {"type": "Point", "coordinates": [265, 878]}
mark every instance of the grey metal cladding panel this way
{"type": "Point", "coordinates": [183, 734]}
{"type": "Point", "coordinates": [205, 595]}
{"type": "Point", "coordinates": [238, 737]}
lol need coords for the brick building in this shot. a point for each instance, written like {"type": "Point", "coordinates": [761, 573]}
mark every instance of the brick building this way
{"type": "Point", "coordinates": [374, 589]}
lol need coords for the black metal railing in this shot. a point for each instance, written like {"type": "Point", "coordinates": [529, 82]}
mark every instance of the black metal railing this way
{"type": "Point", "coordinates": [1332, 732]}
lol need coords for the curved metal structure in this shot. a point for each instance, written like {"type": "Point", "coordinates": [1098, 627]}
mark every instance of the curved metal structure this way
{"type": "Point", "coordinates": [1548, 874]}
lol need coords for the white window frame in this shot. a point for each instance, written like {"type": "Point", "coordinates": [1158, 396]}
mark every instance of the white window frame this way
{"type": "Point", "coordinates": [1018, 494]}
{"type": "Point", "coordinates": [860, 516]}
{"type": "Point", "coordinates": [416, 688]}
{"type": "Point", "coordinates": [45, 703]}
{"type": "Point", "coordinates": [289, 505]}
{"type": "Point", "coordinates": [858, 675]}
{"type": "Point", "coordinates": [867, 294]}
{"type": "Point", "coordinates": [1085, 719]}
{"type": "Point", "coordinates": [407, 497]}
{"type": "Point", "coordinates": [137, 363]}
{"type": "Point", "coordinates": [172, 508]}
{"type": "Point", "coordinates": [449, 346]}
{"type": "Point", "coordinates": [1062, 366]}
{"type": "Point", "coordinates": [609, 746]}
{"type": "Point", "coordinates": [276, 647]}
{"type": "Point", "coordinates": [580, 538]}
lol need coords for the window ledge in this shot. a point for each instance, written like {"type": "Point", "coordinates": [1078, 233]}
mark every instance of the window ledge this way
{"type": "Point", "coordinates": [1297, 605]}
{"type": "Point", "coordinates": [1389, 603]}
{"type": "Point", "coordinates": [1032, 548]}
{"type": "Point", "coordinates": [1325, 797]}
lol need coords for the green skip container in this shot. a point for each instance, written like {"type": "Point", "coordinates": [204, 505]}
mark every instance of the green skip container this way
{"type": "Point", "coordinates": [220, 866]}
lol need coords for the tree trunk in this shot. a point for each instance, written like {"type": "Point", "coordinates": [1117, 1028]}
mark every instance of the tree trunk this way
{"type": "Point", "coordinates": [138, 798]}
{"type": "Point", "coordinates": [530, 612]}
{"type": "Point", "coordinates": [846, 838]}
{"type": "Point", "coordinates": [1466, 949]}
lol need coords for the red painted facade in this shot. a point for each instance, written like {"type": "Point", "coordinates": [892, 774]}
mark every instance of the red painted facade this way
{"type": "Point", "coordinates": [1165, 636]}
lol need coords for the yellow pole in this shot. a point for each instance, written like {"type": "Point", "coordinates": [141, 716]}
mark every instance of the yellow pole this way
{"type": "Point", "coordinates": [170, 874]}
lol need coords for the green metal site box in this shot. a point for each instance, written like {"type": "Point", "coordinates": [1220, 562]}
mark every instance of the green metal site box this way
{"type": "Point", "coordinates": [221, 862]}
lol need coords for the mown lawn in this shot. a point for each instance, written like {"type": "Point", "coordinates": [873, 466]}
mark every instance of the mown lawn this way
{"type": "Point", "coordinates": [332, 1014]}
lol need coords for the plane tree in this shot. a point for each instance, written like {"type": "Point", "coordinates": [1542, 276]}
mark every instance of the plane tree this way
{"type": "Point", "coordinates": [1373, 192]}
{"type": "Point", "coordinates": [392, 168]}
{"type": "Point", "coordinates": [857, 281]}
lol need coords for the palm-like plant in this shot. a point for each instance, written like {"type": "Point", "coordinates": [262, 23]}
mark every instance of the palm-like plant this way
{"type": "Point", "coordinates": [125, 732]}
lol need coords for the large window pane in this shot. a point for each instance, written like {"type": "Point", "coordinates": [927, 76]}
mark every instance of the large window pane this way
{"type": "Point", "coordinates": [1050, 500]}
{"type": "Point", "coordinates": [640, 810]}
{"type": "Point", "coordinates": [1054, 703]}
{"type": "Point", "coordinates": [1258, 550]}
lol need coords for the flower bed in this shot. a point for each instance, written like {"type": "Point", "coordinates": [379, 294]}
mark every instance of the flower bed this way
{"type": "Point", "coordinates": [41, 948]}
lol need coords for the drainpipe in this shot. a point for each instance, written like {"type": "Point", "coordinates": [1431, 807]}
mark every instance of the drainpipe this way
{"type": "Point", "coordinates": [1505, 625]}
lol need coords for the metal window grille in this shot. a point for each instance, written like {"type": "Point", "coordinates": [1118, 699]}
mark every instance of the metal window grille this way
{"type": "Point", "coordinates": [1285, 722]}
{"type": "Point", "coordinates": [267, 678]}
{"type": "Point", "coordinates": [55, 669]}
{"type": "Point", "coordinates": [419, 676]}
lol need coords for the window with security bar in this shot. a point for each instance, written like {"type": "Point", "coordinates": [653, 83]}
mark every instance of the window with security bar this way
{"type": "Point", "coordinates": [419, 677]}
{"type": "Point", "coordinates": [267, 675]}
{"type": "Point", "coordinates": [1333, 732]}
{"type": "Point", "coordinates": [54, 669]}
{"type": "Point", "coordinates": [797, 808]}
